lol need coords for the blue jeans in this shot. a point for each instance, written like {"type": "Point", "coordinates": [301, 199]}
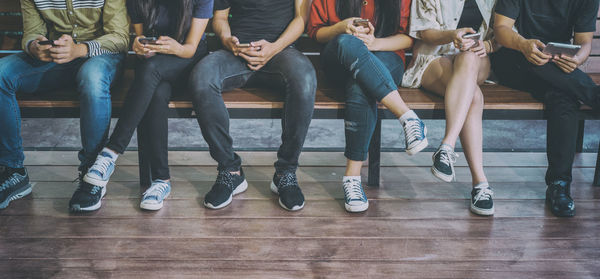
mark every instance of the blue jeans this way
{"type": "Point", "coordinates": [367, 77]}
{"type": "Point", "coordinates": [91, 76]}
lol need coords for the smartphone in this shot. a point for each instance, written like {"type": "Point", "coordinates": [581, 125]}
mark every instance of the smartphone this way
{"type": "Point", "coordinates": [361, 22]}
{"type": "Point", "coordinates": [46, 43]}
{"type": "Point", "coordinates": [148, 40]}
{"type": "Point", "coordinates": [474, 36]}
{"type": "Point", "coordinates": [558, 49]}
{"type": "Point", "coordinates": [243, 45]}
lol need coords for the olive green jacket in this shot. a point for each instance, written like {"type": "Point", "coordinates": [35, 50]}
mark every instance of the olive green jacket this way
{"type": "Point", "coordinates": [100, 24]}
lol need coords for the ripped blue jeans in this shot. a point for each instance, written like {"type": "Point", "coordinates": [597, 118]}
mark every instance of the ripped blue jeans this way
{"type": "Point", "coordinates": [367, 77]}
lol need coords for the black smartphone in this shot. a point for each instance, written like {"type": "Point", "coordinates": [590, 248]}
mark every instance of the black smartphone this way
{"type": "Point", "coordinates": [148, 40]}
{"type": "Point", "coordinates": [46, 43]}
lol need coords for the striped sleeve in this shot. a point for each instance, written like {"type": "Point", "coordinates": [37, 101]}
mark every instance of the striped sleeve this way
{"type": "Point", "coordinates": [95, 49]}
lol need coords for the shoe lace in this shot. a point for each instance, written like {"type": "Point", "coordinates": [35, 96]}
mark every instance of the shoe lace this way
{"type": "Point", "coordinates": [86, 187]}
{"type": "Point", "coordinates": [448, 157]}
{"type": "Point", "coordinates": [353, 189]}
{"type": "Point", "coordinates": [288, 179]}
{"type": "Point", "coordinates": [413, 130]}
{"type": "Point", "coordinates": [101, 165]}
{"type": "Point", "coordinates": [484, 194]}
{"type": "Point", "coordinates": [157, 189]}
{"type": "Point", "coordinates": [225, 178]}
{"type": "Point", "coordinates": [12, 180]}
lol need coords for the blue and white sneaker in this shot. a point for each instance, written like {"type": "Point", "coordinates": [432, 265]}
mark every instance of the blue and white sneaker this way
{"type": "Point", "coordinates": [13, 185]}
{"type": "Point", "coordinates": [153, 197]}
{"type": "Point", "coordinates": [415, 134]}
{"type": "Point", "coordinates": [355, 197]}
{"type": "Point", "coordinates": [103, 168]}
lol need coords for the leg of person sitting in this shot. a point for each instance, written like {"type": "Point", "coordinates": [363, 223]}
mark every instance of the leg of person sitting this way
{"type": "Point", "coordinates": [21, 73]}
{"type": "Point", "coordinates": [157, 129]}
{"type": "Point", "coordinates": [456, 81]}
{"type": "Point", "coordinates": [298, 78]}
{"type": "Point", "coordinates": [218, 72]}
{"type": "Point", "coordinates": [372, 75]}
{"type": "Point", "coordinates": [94, 80]}
{"type": "Point", "coordinates": [562, 126]}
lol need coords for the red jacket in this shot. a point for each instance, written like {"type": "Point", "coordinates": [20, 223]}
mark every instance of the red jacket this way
{"type": "Point", "coordinates": [323, 14]}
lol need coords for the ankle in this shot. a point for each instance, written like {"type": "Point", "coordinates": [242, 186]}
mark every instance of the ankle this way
{"type": "Point", "coordinates": [113, 155]}
{"type": "Point", "coordinates": [446, 146]}
{"type": "Point", "coordinates": [406, 116]}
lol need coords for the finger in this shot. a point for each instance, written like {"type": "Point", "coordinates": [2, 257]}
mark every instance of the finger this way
{"type": "Point", "coordinates": [568, 58]}
{"type": "Point", "coordinates": [253, 53]}
{"type": "Point", "coordinates": [59, 50]}
{"type": "Point", "coordinates": [564, 65]}
{"type": "Point", "coordinates": [470, 31]}
{"type": "Point", "coordinates": [235, 40]}
{"type": "Point", "coordinates": [371, 28]}
{"type": "Point", "coordinates": [353, 29]}
{"type": "Point", "coordinates": [65, 37]}
{"type": "Point", "coordinates": [250, 59]}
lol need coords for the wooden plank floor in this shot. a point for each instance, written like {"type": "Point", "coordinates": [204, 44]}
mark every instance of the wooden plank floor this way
{"type": "Point", "coordinates": [416, 227]}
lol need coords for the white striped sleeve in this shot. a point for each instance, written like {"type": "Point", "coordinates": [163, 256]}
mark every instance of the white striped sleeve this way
{"type": "Point", "coordinates": [94, 49]}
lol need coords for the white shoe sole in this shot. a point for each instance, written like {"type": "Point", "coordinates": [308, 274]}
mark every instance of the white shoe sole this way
{"type": "Point", "coordinates": [441, 176]}
{"type": "Point", "coordinates": [275, 191]}
{"type": "Point", "coordinates": [240, 189]}
{"type": "Point", "coordinates": [16, 196]}
{"type": "Point", "coordinates": [418, 148]}
{"type": "Point", "coordinates": [483, 212]}
{"type": "Point", "coordinates": [93, 207]}
{"type": "Point", "coordinates": [94, 181]}
{"type": "Point", "coordinates": [356, 208]}
{"type": "Point", "coordinates": [153, 206]}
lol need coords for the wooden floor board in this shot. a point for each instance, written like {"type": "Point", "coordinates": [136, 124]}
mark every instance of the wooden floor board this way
{"type": "Point", "coordinates": [416, 225]}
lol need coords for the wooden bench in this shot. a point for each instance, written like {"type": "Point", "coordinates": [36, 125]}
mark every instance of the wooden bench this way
{"type": "Point", "coordinates": [501, 103]}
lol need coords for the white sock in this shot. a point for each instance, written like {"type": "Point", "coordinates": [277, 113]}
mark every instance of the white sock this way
{"type": "Point", "coordinates": [113, 155]}
{"type": "Point", "coordinates": [346, 178]}
{"type": "Point", "coordinates": [408, 115]}
{"type": "Point", "coordinates": [446, 147]}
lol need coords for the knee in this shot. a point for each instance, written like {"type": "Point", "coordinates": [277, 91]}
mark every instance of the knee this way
{"type": "Point", "coordinates": [306, 81]}
{"type": "Point", "coordinates": [467, 61]}
{"type": "Point", "coordinates": [344, 42]}
{"type": "Point", "coordinates": [204, 81]}
{"type": "Point", "coordinates": [7, 76]}
{"type": "Point", "coordinates": [94, 80]}
{"type": "Point", "coordinates": [478, 100]}
{"type": "Point", "coordinates": [560, 101]}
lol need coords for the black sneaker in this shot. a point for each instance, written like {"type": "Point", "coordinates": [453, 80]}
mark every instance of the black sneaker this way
{"type": "Point", "coordinates": [290, 195]}
{"type": "Point", "coordinates": [13, 185]}
{"type": "Point", "coordinates": [443, 163]}
{"type": "Point", "coordinates": [482, 202]}
{"type": "Point", "coordinates": [87, 197]}
{"type": "Point", "coordinates": [558, 198]}
{"type": "Point", "coordinates": [226, 186]}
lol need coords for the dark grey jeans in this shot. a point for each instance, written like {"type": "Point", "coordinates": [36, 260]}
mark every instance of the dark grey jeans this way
{"type": "Point", "coordinates": [288, 72]}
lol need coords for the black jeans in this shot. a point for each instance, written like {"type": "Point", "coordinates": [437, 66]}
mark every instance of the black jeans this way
{"type": "Point", "coordinates": [366, 77]}
{"type": "Point", "coordinates": [147, 102]}
{"type": "Point", "coordinates": [289, 72]}
{"type": "Point", "coordinates": [562, 95]}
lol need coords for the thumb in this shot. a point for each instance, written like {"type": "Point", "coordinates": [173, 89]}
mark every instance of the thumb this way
{"type": "Point", "coordinates": [41, 38]}
{"type": "Point", "coordinates": [235, 40]}
{"type": "Point", "coordinates": [539, 44]}
{"type": "Point", "coordinates": [470, 31]}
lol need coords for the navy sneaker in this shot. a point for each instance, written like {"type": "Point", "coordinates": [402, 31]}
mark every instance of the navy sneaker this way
{"type": "Point", "coordinates": [354, 195]}
{"type": "Point", "coordinates": [558, 198]}
{"type": "Point", "coordinates": [443, 163]}
{"type": "Point", "coordinates": [14, 184]}
{"type": "Point", "coordinates": [87, 197]}
{"type": "Point", "coordinates": [482, 202]}
{"type": "Point", "coordinates": [226, 186]}
{"type": "Point", "coordinates": [153, 198]}
{"type": "Point", "coordinates": [286, 186]}
{"type": "Point", "coordinates": [415, 135]}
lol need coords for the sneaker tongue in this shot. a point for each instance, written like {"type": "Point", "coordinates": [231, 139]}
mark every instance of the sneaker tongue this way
{"type": "Point", "coordinates": [108, 155]}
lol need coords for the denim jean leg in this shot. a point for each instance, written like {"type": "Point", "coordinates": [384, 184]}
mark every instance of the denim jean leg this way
{"type": "Point", "coordinates": [299, 81]}
{"type": "Point", "coordinates": [214, 74]}
{"type": "Point", "coordinates": [20, 73]}
{"type": "Point", "coordinates": [359, 121]}
{"type": "Point", "coordinates": [94, 80]}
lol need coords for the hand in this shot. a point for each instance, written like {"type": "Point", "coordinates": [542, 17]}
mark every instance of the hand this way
{"type": "Point", "coordinates": [368, 38]}
{"type": "Point", "coordinates": [66, 50]}
{"type": "Point", "coordinates": [346, 26]}
{"type": "Point", "coordinates": [165, 45]}
{"type": "Point", "coordinates": [531, 50]}
{"type": "Point", "coordinates": [565, 63]}
{"type": "Point", "coordinates": [479, 49]}
{"type": "Point", "coordinates": [40, 52]}
{"type": "Point", "coordinates": [461, 43]}
{"type": "Point", "coordinates": [259, 54]}
{"type": "Point", "coordinates": [141, 49]}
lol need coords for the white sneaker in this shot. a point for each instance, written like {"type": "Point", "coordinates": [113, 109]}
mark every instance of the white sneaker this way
{"type": "Point", "coordinates": [153, 197]}
{"type": "Point", "coordinates": [415, 134]}
{"type": "Point", "coordinates": [355, 197]}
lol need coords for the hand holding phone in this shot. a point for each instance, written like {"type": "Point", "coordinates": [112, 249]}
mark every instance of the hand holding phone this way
{"type": "Point", "coordinates": [557, 49]}
{"type": "Point", "coordinates": [148, 40]}
{"type": "Point", "coordinates": [361, 22]}
{"type": "Point", "coordinates": [46, 43]}
{"type": "Point", "coordinates": [475, 37]}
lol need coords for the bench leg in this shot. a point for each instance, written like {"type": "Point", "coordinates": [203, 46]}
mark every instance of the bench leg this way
{"type": "Point", "coordinates": [143, 159]}
{"type": "Point", "coordinates": [597, 170]}
{"type": "Point", "coordinates": [375, 156]}
{"type": "Point", "coordinates": [580, 133]}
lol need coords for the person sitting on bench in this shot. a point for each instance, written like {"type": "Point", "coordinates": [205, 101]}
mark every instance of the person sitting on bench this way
{"type": "Point", "coordinates": [450, 64]}
{"type": "Point", "coordinates": [366, 59]}
{"type": "Point", "coordinates": [258, 40]}
{"type": "Point", "coordinates": [74, 43]}
{"type": "Point", "coordinates": [177, 42]}
{"type": "Point", "coordinates": [553, 79]}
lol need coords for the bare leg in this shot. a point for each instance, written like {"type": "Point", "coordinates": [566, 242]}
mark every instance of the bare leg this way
{"type": "Point", "coordinates": [394, 103]}
{"type": "Point", "coordinates": [471, 138]}
{"type": "Point", "coordinates": [353, 168]}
